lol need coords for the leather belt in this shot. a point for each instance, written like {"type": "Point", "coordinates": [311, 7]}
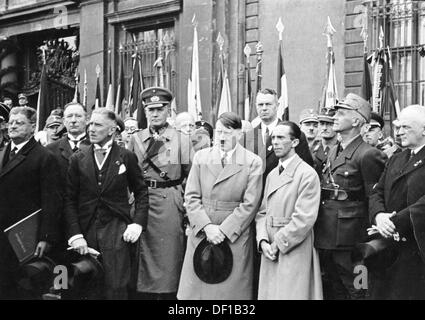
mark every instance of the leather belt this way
{"type": "Point", "coordinates": [162, 184]}
{"type": "Point", "coordinates": [341, 195]}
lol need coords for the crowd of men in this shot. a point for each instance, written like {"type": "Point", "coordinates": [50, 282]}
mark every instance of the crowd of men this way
{"type": "Point", "coordinates": [182, 210]}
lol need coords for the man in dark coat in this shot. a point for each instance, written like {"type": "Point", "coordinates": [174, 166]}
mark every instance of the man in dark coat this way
{"type": "Point", "coordinates": [328, 139]}
{"type": "Point", "coordinates": [97, 210]}
{"type": "Point", "coordinates": [352, 169]}
{"type": "Point", "coordinates": [397, 204]}
{"type": "Point", "coordinates": [75, 139]}
{"type": "Point", "coordinates": [28, 181]}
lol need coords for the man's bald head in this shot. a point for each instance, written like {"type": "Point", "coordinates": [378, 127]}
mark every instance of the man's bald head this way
{"type": "Point", "coordinates": [412, 126]}
{"type": "Point", "coordinates": [185, 123]}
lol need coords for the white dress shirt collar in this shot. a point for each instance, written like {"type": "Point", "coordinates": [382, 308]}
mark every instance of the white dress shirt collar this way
{"type": "Point", "coordinates": [107, 146]}
{"type": "Point", "coordinates": [286, 162]}
{"type": "Point", "coordinates": [18, 146]}
{"type": "Point", "coordinates": [271, 126]}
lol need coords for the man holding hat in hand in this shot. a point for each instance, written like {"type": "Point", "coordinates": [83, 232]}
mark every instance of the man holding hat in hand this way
{"type": "Point", "coordinates": [352, 169]}
{"type": "Point", "coordinates": [165, 159]}
{"type": "Point", "coordinates": [97, 211]}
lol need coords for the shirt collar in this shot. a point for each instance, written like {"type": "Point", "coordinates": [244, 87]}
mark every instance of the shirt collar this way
{"type": "Point", "coordinates": [416, 150]}
{"type": "Point", "coordinates": [286, 162]}
{"type": "Point", "coordinates": [106, 146]}
{"type": "Point", "coordinates": [271, 126]}
{"type": "Point", "coordinates": [18, 146]}
{"type": "Point", "coordinates": [78, 138]}
{"type": "Point", "coordinates": [229, 153]}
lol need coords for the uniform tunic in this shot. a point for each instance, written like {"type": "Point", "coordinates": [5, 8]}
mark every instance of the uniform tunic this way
{"type": "Point", "coordinates": [161, 247]}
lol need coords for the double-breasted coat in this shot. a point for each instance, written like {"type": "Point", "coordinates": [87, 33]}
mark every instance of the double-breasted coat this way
{"type": "Point", "coordinates": [287, 215]}
{"type": "Point", "coordinates": [162, 245]}
{"type": "Point", "coordinates": [401, 189]}
{"type": "Point", "coordinates": [228, 197]}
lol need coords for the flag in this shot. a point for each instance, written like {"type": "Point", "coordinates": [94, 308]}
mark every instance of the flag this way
{"type": "Point", "coordinates": [120, 87]}
{"type": "Point", "coordinates": [137, 86]}
{"type": "Point", "coordinates": [379, 77]}
{"type": "Point", "coordinates": [282, 89]}
{"type": "Point", "coordinates": [390, 96]}
{"type": "Point", "coordinates": [97, 99]}
{"type": "Point", "coordinates": [248, 97]}
{"type": "Point", "coordinates": [225, 101]}
{"type": "Point", "coordinates": [43, 105]}
{"type": "Point", "coordinates": [366, 88]}
{"type": "Point", "coordinates": [76, 98]}
{"type": "Point", "coordinates": [330, 92]}
{"type": "Point", "coordinates": [110, 97]}
{"type": "Point", "coordinates": [193, 90]}
{"type": "Point", "coordinates": [85, 90]}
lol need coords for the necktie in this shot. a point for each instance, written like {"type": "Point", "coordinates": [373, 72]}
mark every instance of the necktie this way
{"type": "Point", "coordinates": [266, 135]}
{"type": "Point", "coordinates": [281, 168]}
{"type": "Point", "coordinates": [13, 153]}
{"type": "Point", "coordinates": [100, 155]}
{"type": "Point", "coordinates": [412, 154]}
{"type": "Point", "coordinates": [75, 142]}
{"type": "Point", "coordinates": [223, 159]}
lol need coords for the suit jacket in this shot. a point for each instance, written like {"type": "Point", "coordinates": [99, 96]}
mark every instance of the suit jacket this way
{"type": "Point", "coordinates": [84, 198]}
{"type": "Point", "coordinates": [296, 273]}
{"type": "Point", "coordinates": [401, 189]}
{"type": "Point", "coordinates": [62, 151]}
{"type": "Point", "coordinates": [228, 197]}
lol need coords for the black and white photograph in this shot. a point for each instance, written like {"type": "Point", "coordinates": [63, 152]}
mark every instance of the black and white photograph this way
{"type": "Point", "coordinates": [223, 152]}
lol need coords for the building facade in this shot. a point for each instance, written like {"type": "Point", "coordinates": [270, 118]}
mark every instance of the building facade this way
{"type": "Point", "coordinates": [103, 32]}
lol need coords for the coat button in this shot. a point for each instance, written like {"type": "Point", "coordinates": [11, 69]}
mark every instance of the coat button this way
{"type": "Point", "coordinates": [99, 183]}
{"type": "Point", "coordinates": [346, 173]}
{"type": "Point", "coordinates": [164, 196]}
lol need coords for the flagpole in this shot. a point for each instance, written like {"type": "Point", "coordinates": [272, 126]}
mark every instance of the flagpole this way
{"type": "Point", "coordinates": [75, 99]}
{"type": "Point", "coordinates": [85, 89]}
{"type": "Point", "coordinates": [330, 90]}
{"type": "Point", "coordinates": [43, 54]}
{"type": "Point", "coordinates": [248, 93]}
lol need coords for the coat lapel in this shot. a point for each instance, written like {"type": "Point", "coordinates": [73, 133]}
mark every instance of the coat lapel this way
{"type": "Point", "coordinates": [232, 168]}
{"type": "Point", "coordinates": [214, 162]}
{"type": "Point", "coordinates": [65, 148]}
{"type": "Point", "coordinates": [114, 164]}
{"type": "Point", "coordinates": [277, 181]}
{"type": "Point", "coordinates": [2, 154]}
{"type": "Point", "coordinates": [87, 163]}
{"type": "Point", "coordinates": [417, 162]}
{"type": "Point", "coordinates": [19, 157]}
{"type": "Point", "coordinates": [347, 153]}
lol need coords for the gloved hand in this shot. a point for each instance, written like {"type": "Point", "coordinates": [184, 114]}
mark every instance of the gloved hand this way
{"type": "Point", "coordinates": [132, 233]}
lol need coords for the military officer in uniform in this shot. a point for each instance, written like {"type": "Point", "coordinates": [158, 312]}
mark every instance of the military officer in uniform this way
{"type": "Point", "coordinates": [309, 125]}
{"type": "Point", "coordinates": [328, 139]}
{"type": "Point", "coordinates": [352, 169]}
{"type": "Point", "coordinates": [165, 159]}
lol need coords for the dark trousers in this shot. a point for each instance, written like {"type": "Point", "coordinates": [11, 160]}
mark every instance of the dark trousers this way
{"type": "Point", "coordinates": [116, 260]}
{"type": "Point", "coordinates": [338, 276]}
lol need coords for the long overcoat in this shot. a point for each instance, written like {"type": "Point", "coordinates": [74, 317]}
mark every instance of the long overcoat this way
{"type": "Point", "coordinates": [287, 215]}
{"type": "Point", "coordinates": [228, 197]}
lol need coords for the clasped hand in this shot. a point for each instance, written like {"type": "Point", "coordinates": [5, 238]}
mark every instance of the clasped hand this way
{"type": "Point", "coordinates": [384, 224]}
{"type": "Point", "coordinates": [214, 234]}
{"type": "Point", "coordinates": [269, 250]}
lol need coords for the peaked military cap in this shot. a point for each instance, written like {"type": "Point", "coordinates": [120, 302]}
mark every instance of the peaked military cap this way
{"type": "Point", "coordinates": [354, 102]}
{"type": "Point", "coordinates": [376, 120]}
{"type": "Point", "coordinates": [156, 97]}
{"type": "Point", "coordinates": [326, 115]}
{"type": "Point", "coordinates": [308, 115]}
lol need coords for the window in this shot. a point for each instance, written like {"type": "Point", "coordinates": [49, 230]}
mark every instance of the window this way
{"type": "Point", "coordinates": [157, 49]}
{"type": "Point", "coordinates": [403, 23]}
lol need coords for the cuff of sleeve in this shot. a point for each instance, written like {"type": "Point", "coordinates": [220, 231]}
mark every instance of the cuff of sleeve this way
{"type": "Point", "coordinates": [281, 243]}
{"type": "Point", "coordinates": [73, 238]}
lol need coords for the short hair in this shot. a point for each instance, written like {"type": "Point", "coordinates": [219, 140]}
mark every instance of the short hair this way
{"type": "Point", "coordinates": [7, 98]}
{"type": "Point", "coordinates": [230, 120]}
{"type": "Point", "coordinates": [73, 104]}
{"type": "Point", "coordinates": [295, 130]}
{"type": "Point", "coordinates": [28, 112]}
{"type": "Point", "coordinates": [106, 112]}
{"type": "Point", "coordinates": [268, 91]}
